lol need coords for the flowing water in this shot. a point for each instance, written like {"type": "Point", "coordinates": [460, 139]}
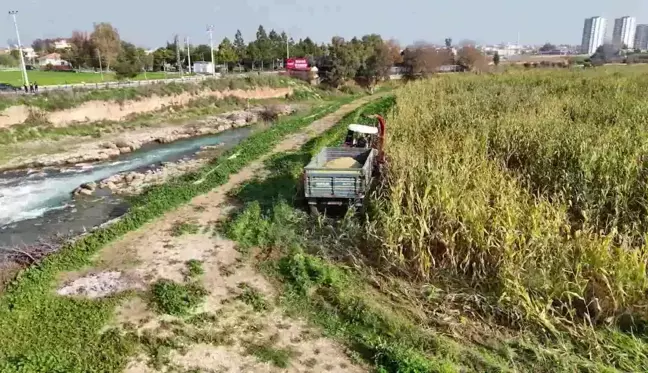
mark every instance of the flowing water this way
{"type": "Point", "coordinates": [39, 204]}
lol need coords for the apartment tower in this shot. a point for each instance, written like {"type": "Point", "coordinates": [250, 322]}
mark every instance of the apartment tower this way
{"type": "Point", "coordinates": [624, 32]}
{"type": "Point", "coordinates": [593, 34]}
{"type": "Point", "coordinates": [641, 37]}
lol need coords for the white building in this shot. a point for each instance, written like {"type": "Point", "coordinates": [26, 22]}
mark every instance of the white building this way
{"type": "Point", "coordinates": [641, 37]}
{"type": "Point", "coordinates": [202, 67]}
{"type": "Point", "coordinates": [624, 31]}
{"type": "Point", "coordinates": [53, 59]}
{"type": "Point", "coordinates": [61, 44]}
{"type": "Point", "coordinates": [593, 34]}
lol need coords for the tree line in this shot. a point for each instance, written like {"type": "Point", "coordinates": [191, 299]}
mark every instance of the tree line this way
{"type": "Point", "coordinates": [366, 59]}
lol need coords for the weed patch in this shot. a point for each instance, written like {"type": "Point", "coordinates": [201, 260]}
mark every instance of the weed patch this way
{"type": "Point", "coordinates": [253, 298]}
{"type": "Point", "coordinates": [176, 299]}
{"type": "Point", "coordinates": [182, 228]}
{"type": "Point", "coordinates": [265, 352]}
{"type": "Point", "coordinates": [194, 268]}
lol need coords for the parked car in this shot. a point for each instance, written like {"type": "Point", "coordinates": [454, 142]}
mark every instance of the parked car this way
{"type": "Point", "coordinates": [5, 87]}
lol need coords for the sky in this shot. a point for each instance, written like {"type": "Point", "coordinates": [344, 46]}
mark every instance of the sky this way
{"type": "Point", "coordinates": [150, 23]}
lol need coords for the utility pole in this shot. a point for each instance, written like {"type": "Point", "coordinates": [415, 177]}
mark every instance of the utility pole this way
{"type": "Point", "coordinates": [178, 61]}
{"type": "Point", "coordinates": [210, 30]}
{"type": "Point", "coordinates": [188, 53]}
{"type": "Point", "coordinates": [100, 67]}
{"type": "Point", "coordinates": [13, 13]}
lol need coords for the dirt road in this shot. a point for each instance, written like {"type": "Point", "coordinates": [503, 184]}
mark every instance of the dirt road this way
{"type": "Point", "coordinates": [153, 252]}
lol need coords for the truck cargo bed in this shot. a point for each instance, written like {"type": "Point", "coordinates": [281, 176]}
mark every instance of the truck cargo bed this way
{"type": "Point", "coordinates": [350, 183]}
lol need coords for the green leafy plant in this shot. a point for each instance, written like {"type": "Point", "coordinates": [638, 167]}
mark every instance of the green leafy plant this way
{"type": "Point", "coordinates": [176, 299]}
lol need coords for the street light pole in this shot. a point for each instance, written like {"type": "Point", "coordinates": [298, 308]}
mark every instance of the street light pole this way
{"type": "Point", "coordinates": [13, 13]}
{"type": "Point", "coordinates": [188, 53]}
{"type": "Point", "coordinates": [210, 30]}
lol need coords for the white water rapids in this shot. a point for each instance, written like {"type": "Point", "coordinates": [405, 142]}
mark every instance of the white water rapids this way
{"type": "Point", "coordinates": [27, 196]}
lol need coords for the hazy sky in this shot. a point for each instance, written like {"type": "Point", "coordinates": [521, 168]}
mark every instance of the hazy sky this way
{"type": "Point", "coordinates": [150, 23]}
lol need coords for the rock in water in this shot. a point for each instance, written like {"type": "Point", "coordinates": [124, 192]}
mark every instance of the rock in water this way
{"type": "Point", "coordinates": [91, 186]}
{"type": "Point", "coordinates": [343, 162]}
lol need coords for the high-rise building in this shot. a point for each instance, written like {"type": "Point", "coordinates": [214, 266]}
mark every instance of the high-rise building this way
{"type": "Point", "coordinates": [593, 34]}
{"type": "Point", "coordinates": [641, 37]}
{"type": "Point", "coordinates": [624, 32]}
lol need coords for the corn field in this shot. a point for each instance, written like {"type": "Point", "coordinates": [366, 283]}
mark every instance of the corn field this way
{"type": "Point", "coordinates": [530, 185]}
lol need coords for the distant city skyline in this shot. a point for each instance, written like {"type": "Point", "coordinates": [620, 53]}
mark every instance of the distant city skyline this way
{"type": "Point", "coordinates": [151, 23]}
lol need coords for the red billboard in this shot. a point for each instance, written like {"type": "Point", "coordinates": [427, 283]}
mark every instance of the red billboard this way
{"type": "Point", "coordinates": [297, 64]}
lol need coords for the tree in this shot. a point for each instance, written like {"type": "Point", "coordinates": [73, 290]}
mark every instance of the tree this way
{"type": "Point", "coordinates": [448, 43]}
{"type": "Point", "coordinates": [8, 60]}
{"type": "Point", "coordinates": [161, 58]}
{"type": "Point", "coordinates": [547, 47]}
{"type": "Point", "coordinates": [471, 58]}
{"type": "Point", "coordinates": [424, 59]}
{"type": "Point", "coordinates": [345, 61]}
{"type": "Point", "coordinates": [377, 66]}
{"type": "Point", "coordinates": [201, 52]}
{"type": "Point", "coordinates": [127, 69]}
{"type": "Point", "coordinates": [145, 58]}
{"type": "Point", "coordinates": [496, 59]}
{"type": "Point", "coordinates": [277, 45]}
{"type": "Point", "coordinates": [395, 52]}
{"type": "Point", "coordinates": [81, 49]}
{"type": "Point", "coordinates": [106, 39]}
{"type": "Point", "coordinates": [239, 46]}
{"type": "Point", "coordinates": [226, 52]}
{"type": "Point", "coordinates": [253, 53]}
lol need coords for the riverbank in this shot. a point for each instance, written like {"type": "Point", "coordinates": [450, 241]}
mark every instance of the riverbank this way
{"type": "Point", "coordinates": [61, 100]}
{"type": "Point", "coordinates": [87, 149]}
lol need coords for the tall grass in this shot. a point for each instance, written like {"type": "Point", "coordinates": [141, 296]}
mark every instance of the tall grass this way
{"type": "Point", "coordinates": [531, 185]}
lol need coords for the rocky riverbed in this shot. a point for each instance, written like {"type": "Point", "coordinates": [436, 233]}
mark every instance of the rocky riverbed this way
{"type": "Point", "coordinates": [134, 182]}
{"type": "Point", "coordinates": [102, 150]}
{"type": "Point", "coordinates": [130, 183]}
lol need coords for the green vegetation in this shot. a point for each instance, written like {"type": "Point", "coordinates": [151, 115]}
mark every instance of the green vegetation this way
{"type": "Point", "coordinates": [43, 332]}
{"type": "Point", "coordinates": [194, 268]}
{"type": "Point", "coordinates": [469, 255]}
{"type": "Point", "coordinates": [279, 357]}
{"type": "Point", "coordinates": [176, 299]}
{"type": "Point", "coordinates": [253, 298]}
{"type": "Point", "coordinates": [59, 100]}
{"type": "Point", "coordinates": [181, 228]}
{"type": "Point", "coordinates": [44, 78]}
{"type": "Point", "coordinates": [534, 190]}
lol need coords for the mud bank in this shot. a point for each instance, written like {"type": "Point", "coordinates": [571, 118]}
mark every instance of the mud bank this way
{"type": "Point", "coordinates": [94, 111]}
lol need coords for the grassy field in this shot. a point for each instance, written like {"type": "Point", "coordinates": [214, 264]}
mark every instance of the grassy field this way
{"type": "Point", "coordinates": [44, 78]}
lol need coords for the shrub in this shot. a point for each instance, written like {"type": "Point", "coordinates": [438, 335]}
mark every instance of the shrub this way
{"type": "Point", "coordinates": [176, 299]}
{"type": "Point", "coordinates": [127, 70]}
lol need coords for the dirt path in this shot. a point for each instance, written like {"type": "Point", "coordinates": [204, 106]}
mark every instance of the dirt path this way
{"type": "Point", "coordinates": [242, 337]}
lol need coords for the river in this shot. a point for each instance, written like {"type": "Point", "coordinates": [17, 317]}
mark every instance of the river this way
{"type": "Point", "coordinates": [37, 204]}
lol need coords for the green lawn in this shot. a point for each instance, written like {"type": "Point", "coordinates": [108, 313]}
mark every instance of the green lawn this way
{"type": "Point", "coordinates": [54, 78]}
